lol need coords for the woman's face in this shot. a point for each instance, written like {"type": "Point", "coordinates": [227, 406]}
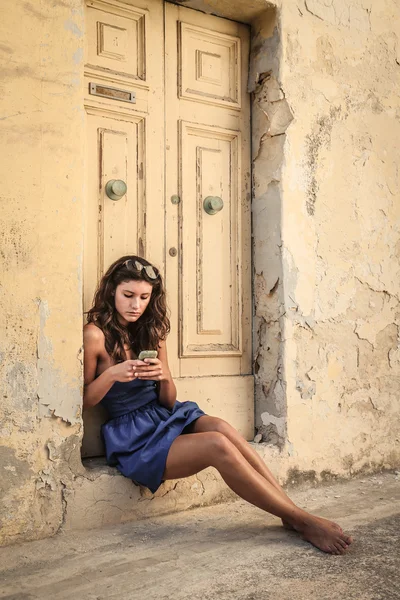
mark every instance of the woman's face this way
{"type": "Point", "coordinates": [131, 300]}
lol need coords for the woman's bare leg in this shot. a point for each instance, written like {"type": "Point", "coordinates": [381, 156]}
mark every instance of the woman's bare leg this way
{"type": "Point", "coordinates": [192, 453]}
{"type": "Point", "coordinates": [206, 423]}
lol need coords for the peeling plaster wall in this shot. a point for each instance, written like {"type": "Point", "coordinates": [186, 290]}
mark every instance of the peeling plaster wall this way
{"type": "Point", "coordinates": [41, 255]}
{"type": "Point", "coordinates": [271, 117]}
{"type": "Point", "coordinates": [340, 231]}
{"type": "Point", "coordinates": [324, 76]}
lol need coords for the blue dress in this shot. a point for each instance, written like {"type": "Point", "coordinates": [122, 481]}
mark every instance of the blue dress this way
{"type": "Point", "coordinates": [140, 432]}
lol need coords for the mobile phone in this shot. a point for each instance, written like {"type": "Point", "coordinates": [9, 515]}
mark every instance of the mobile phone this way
{"type": "Point", "coordinates": [147, 354]}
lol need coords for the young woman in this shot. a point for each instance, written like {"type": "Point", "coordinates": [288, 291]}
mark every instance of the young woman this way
{"type": "Point", "coordinates": [151, 436]}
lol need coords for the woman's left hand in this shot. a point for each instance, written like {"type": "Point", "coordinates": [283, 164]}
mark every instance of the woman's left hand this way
{"type": "Point", "coordinates": [153, 370]}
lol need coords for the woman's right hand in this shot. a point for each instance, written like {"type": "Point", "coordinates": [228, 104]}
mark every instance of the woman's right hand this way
{"type": "Point", "coordinates": [125, 371]}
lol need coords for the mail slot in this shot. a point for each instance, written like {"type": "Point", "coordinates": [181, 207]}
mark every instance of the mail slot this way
{"type": "Point", "coordinates": [112, 93]}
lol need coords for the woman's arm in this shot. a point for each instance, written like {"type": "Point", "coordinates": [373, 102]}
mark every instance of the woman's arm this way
{"type": "Point", "coordinates": [167, 395]}
{"type": "Point", "coordinates": [157, 369]}
{"type": "Point", "coordinates": [95, 388]}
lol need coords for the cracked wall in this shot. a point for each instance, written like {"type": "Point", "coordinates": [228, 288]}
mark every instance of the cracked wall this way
{"type": "Point", "coordinates": [40, 289]}
{"type": "Point", "coordinates": [340, 233]}
{"type": "Point", "coordinates": [324, 78]}
{"type": "Point", "coordinates": [271, 117]}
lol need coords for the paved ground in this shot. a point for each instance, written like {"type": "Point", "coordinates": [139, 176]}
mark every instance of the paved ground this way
{"type": "Point", "coordinates": [226, 552]}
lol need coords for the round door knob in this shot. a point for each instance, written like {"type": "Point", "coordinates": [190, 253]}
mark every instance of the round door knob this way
{"type": "Point", "coordinates": [213, 204]}
{"type": "Point", "coordinates": [115, 189]}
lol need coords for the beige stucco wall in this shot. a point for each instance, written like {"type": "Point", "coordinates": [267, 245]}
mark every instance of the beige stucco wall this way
{"type": "Point", "coordinates": [326, 204]}
{"type": "Point", "coordinates": [41, 257]}
{"type": "Point", "coordinates": [329, 377]}
{"type": "Point", "coordinates": [341, 233]}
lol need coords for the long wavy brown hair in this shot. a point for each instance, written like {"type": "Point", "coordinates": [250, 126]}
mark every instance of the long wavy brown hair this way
{"type": "Point", "coordinates": [152, 326]}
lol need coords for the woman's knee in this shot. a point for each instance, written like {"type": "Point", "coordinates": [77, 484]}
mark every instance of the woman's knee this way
{"type": "Point", "coordinates": [221, 426]}
{"type": "Point", "coordinates": [221, 449]}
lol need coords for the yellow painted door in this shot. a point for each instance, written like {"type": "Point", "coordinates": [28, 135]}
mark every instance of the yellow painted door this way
{"type": "Point", "coordinates": [183, 139]}
{"type": "Point", "coordinates": [208, 262]}
{"type": "Point", "coordinates": [125, 142]}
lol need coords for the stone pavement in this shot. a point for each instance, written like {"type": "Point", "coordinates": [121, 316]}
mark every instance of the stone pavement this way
{"type": "Point", "coordinates": [226, 552]}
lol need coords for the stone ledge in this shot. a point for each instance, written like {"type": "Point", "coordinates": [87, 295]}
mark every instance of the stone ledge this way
{"type": "Point", "coordinates": [105, 497]}
{"type": "Point", "coordinates": [102, 496]}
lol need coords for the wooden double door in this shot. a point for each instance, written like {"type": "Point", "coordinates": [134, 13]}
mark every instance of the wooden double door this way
{"type": "Point", "coordinates": [167, 113]}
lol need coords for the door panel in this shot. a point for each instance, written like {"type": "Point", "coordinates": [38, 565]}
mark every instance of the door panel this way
{"type": "Point", "coordinates": [209, 64]}
{"type": "Point", "coordinates": [210, 311]}
{"type": "Point", "coordinates": [208, 154]}
{"type": "Point", "coordinates": [125, 141]}
{"type": "Point", "coordinates": [235, 398]}
{"type": "Point", "coordinates": [116, 35]}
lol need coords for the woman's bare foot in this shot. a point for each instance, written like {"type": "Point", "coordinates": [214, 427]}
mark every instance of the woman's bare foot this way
{"type": "Point", "coordinates": [325, 535]}
{"type": "Point", "coordinates": [290, 527]}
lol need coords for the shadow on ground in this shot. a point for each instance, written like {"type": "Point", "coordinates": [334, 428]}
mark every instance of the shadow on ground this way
{"type": "Point", "coordinates": [224, 552]}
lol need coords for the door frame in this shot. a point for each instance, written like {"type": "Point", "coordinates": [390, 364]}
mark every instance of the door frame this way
{"type": "Point", "coordinates": [269, 374]}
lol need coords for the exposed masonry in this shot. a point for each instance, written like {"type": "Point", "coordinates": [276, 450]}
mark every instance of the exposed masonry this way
{"type": "Point", "coordinates": [271, 117]}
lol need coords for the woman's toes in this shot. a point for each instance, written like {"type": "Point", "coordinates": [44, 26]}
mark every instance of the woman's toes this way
{"type": "Point", "coordinates": [339, 548]}
{"type": "Point", "coordinates": [348, 539]}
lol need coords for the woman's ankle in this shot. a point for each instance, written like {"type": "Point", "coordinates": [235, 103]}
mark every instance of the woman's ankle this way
{"type": "Point", "coordinates": [297, 517]}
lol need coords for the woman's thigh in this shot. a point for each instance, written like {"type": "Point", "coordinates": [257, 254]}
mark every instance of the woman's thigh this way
{"type": "Point", "coordinates": [193, 452]}
{"type": "Point", "coordinates": [207, 423]}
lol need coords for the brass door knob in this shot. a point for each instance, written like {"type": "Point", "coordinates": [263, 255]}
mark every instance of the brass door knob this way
{"type": "Point", "coordinates": [116, 188]}
{"type": "Point", "coordinates": [213, 204]}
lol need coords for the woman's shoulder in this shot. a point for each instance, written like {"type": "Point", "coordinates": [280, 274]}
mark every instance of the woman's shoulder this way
{"type": "Point", "coordinates": [93, 334]}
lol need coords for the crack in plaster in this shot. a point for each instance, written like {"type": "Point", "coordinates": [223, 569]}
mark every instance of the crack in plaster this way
{"type": "Point", "coordinates": [56, 400]}
{"type": "Point", "coordinates": [376, 290]}
{"type": "Point", "coordinates": [275, 113]}
{"type": "Point", "coordinates": [203, 489]}
{"type": "Point", "coordinates": [64, 504]}
{"type": "Point", "coordinates": [341, 13]}
{"type": "Point", "coordinates": [311, 12]}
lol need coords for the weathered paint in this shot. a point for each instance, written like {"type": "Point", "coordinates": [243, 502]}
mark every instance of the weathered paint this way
{"type": "Point", "coordinates": [326, 211]}
{"type": "Point", "coordinates": [340, 228]}
{"type": "Point", "coordinates": [41, 247]}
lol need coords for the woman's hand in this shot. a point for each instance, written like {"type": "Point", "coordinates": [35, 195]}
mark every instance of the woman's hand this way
{"type": "Point", "coordinates": [126, 371]}
{"type": "Point", "coordinates": [152, 369]}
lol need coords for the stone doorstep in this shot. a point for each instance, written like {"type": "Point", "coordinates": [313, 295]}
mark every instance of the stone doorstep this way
{"type": "Point", "coordinates": [105, 497]}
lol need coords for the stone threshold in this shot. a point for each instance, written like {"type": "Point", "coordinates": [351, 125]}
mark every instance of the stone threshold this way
{"type": "Point", "coordinates": [101, 496]}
